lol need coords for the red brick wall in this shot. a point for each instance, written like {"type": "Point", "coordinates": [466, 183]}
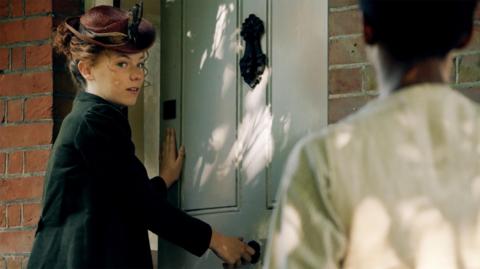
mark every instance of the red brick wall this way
{"type": "Point", "coordinates": [30, 111]}
{"type": "Point", "coordinates": [351, 81]}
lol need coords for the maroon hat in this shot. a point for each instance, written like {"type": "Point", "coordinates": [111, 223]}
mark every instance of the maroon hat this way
{"type": "Point", "coordinates": [113, 28]}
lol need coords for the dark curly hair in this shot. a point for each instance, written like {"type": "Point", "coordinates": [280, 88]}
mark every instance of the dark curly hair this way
{"type": "Point", "coordinates": [75, 50]}
{"type": "Point", "coordinates": [414, 30]}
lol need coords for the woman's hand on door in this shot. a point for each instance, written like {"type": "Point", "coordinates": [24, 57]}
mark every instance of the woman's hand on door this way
{"type": "Point", "coordinates": [232, 250]}
{"type": "Point", "coordinates": [171, 160]}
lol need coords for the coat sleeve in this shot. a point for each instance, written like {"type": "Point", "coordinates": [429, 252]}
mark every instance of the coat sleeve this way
{"type": "Point", "coordinates": [159, 185]}
{"type": "Point", "coordinates": [103, 139]}
{"type": "Point", "coordinates": [304, 230]}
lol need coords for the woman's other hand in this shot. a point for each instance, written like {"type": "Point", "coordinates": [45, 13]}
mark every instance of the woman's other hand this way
{"type": "Point", "coordinates": [171, 161]}
{"type": "Point", "coordinates": [232, 250]}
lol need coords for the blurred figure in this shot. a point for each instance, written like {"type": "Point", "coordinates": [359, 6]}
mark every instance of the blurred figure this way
{"type": "Point", "coordinates": [397, 184]}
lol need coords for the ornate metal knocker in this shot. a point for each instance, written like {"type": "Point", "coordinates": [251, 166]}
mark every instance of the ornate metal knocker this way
{"type": "Point", "coordinates": [254, 60]}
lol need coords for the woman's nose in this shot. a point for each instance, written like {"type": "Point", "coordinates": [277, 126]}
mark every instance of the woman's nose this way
{"type": "Point", "coordinates": [137, 74]}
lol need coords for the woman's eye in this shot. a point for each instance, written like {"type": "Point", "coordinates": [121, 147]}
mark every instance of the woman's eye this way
{"type": "Point", "coordinates": [141, 65]}
{"type": "Point", "coordinates": [122, 64]}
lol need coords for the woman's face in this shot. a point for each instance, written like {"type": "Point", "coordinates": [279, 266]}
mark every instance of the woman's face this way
{"type": "Point", "coordinates": [118, 77]}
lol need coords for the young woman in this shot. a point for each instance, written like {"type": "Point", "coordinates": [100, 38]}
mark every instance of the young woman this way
{"type": "Point", "coordinates": [98, 201]}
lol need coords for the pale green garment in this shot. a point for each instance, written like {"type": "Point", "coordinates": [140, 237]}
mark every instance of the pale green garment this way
{"type": "Point", "coordinates": [397, 185]}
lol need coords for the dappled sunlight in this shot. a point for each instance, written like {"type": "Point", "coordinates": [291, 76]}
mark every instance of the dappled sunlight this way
{"type": "Point", "coordinates": [219, 35]}
{"type": "Point", "coordinates": [434, 241]}
{"type": "Point", "coordinates": [257, 148]}
{"type": "Point", "coordinates": [343, 138]}
{"type": "Point", "coordinates": [218, 40]}
{"type": "Point", "coordinates": [370, 236]}
{"type": "Point", "coordinates": [412, 233]}
{"type": "Point", "coordinates": [219, 135]}
{"type": "Point", "coordinates": [286, 124]}
{"type": "Point", "coordinates": [205, 167]}
{"type": "Point", "coordinates": [470, 245]}
{"type": "Point", "coordinates": [254, 146]}
{"type": "Point", "coordinates": [468, 127]}
{"type": "Point", "coordinates": [229, 77]}
{"type": "Point", "coordinates": [204, 58]}
{"type": "Point", "coordinates": [409, 152]}
{"type": "Point", "coordinates": [476, 188]}
{"type": "Point", "coordinates": [287, 239]}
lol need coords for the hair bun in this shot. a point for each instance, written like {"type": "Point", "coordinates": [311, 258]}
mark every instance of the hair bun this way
{"type": "Point", "coordinates": [61, 41]}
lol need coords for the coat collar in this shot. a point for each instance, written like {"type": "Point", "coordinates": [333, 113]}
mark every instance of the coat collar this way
{"type": "Point", "coordinates": [84, 96]}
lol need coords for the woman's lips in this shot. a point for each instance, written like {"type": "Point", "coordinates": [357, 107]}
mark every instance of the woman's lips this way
{"type": "Point", "coordinates": [133, 90]}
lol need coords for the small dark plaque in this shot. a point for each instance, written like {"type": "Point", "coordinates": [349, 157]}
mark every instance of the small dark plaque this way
{"type": "Point", "coordinates": [169, 109]}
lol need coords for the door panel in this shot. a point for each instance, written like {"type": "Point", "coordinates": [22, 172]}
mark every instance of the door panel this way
{"type": "Point", "coordinates": [237, 138]}
{"type": "Point", "coordinates": [209, 104]}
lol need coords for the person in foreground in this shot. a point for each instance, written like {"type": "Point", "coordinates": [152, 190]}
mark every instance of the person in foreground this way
{"type": "Point", "coordinates": [98, 201]}
{"type": "Point", "coordinates": [397, 184]}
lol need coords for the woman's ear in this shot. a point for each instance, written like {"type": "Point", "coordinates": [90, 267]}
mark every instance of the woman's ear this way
{"type": "Point", "coordinates": [86, 70]}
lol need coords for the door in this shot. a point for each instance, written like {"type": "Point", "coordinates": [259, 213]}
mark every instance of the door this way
{"type": "Point", "coordinates": [237, 138]}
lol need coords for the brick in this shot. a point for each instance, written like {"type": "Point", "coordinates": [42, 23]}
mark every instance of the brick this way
{"type": "Point", "coordinates": [31, 214]}
{"type": "Point", "coordinates": [14, 215]}
{"type": "Point", "coordinates": [453, 70]}
{"type": "Point", "coordinates": [341, 3]}
{"type": "Point", "coordinates": [342, 107]}
{"type": "Point", "coordinates": [475, 41]}
{"type": "Point", "coordinates": [67, 6]}
{"type": "Point", "coordinates": [26, 135]}
{"type": "Point", "coordinates": [4, 12]}
{"type": "Point", "coordinates": [344, 80]}
{"type": "Point", "coordinates": [347, 51]}
{"type": "Point", "coordinates": [25, 262]}
{"type": "Point", "coordinates": [472, 93]}
{"type": "Point", "coordinates": [36, 161]}
{"type": "Point", "coordinates": [477, 13]}
{"type": "Point", "coordinates": [345, 23]}
{"type": "Point", "coordinates": [469, 68]}
{"type": "Point", "coordinates": [31, 83]}
{"type": "Point", "coordinates": [26, 30]}
{"type": "Point", "coordinates": [4, 59]}
{"type": "Point", "coordinates": [3, 217]}
{"type": "Point", "coordinates": [38, 56]}
{"type": "Point", "coordinates": [18, 58]}
{"type": "Point", "coordinates": [17, 8]}
{"type": "Point", "coordinates": [18, 189]}
{"type": "Point", "coordinates": [16, 241]}
{"type": "Point", "coordinates": [37, 6]}
{"type": "Point", "coordinates": [14, 262]}
{"type": "Point", "coordinates": [3, 160]}
{"type": "Point", "coordinates": [15, 162]}
{"type": "Point", "coordinates": [15, 110]}
{"type": "Point", "coordinates": [3, 111]}
{"type": "Point", "coordinates": [38, 108]}
{"type": "Point", "coordinates": [369, 79]}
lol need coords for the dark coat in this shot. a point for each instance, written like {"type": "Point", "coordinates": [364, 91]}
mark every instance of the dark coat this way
{"type": "Point", "coordinates": [98, 201]}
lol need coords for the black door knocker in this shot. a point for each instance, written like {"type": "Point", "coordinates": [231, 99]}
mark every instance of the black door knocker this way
{"type": "Point", "coordinates": [254, 60]}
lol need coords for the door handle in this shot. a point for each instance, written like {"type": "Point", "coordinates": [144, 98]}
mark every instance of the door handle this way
{"type": "Point", "coordinates": [256, 246]}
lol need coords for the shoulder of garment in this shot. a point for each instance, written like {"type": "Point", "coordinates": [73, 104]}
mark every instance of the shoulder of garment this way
{"type": "Point", "coordinates": [103, 121]}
